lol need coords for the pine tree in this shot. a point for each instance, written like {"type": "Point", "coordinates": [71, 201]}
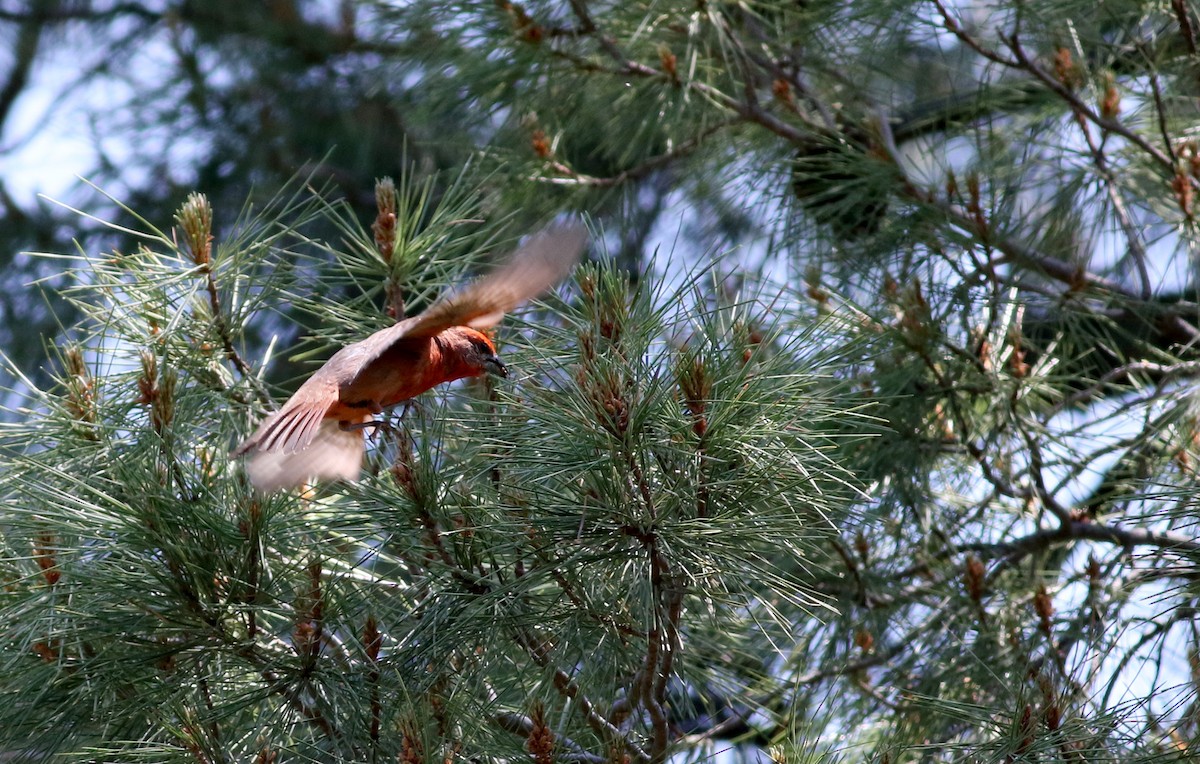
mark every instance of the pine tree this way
{"type": "Point", "coordinates": [549, 565]}
{"type": "Point", "coordinates": [920, 491]}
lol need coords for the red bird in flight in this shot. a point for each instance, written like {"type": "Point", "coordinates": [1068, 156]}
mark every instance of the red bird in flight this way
{"type": "Point", "coordinates": [315, 437]}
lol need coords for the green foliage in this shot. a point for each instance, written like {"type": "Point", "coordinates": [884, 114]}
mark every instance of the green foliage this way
{"type": "Point", "coordinates": [579, 539]}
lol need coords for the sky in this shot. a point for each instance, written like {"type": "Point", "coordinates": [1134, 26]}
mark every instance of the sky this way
{"type": "Point", "coordinates": [45, 144]}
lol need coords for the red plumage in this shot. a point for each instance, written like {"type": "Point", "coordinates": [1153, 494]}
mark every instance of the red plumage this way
{"type": "Point", "coordinates": [308, 439]}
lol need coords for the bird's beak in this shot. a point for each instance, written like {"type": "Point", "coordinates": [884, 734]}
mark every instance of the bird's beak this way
{"type": "Point", "coordinates": [495, 367]}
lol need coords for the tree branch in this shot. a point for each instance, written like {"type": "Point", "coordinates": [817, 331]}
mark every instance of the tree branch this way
{"type": "Point", "coordinates": [1087, 531]}
{"type": "Point", "coordinates": [637, 172]}
{"type": "Point", "coordinates": [24, 51]}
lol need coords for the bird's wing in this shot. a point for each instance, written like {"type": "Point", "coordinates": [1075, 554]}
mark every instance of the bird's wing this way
{"type": "Point", "coordinates": [293, 427]}
{"type": "Point", "coordinates": [544, 260]}
{"type": "Point", "coordinates": [538, 264]}
{"type": "Point", "coordinates": [333, 454]}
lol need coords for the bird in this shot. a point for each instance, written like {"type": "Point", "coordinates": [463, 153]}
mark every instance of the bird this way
{"type": "Point", "coordinates": [317, 435]}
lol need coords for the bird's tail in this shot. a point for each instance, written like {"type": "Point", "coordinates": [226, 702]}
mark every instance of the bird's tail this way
{"type": "Point", "coordinates": [333, 454]}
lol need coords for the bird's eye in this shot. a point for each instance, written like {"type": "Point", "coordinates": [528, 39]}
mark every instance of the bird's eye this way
{"type": "Point", "coordinates": [481, 347]}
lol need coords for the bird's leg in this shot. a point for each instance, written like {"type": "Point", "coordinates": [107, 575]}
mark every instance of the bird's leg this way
{"type": "Point", "coordinates": [409, 405]}
{"type": "Point", "coordinates": [381, 425]}
{"type": "Point", "coordinates": [375, 424]}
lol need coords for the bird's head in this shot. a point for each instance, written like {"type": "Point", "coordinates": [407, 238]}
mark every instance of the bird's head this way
{"type": "Point", "coordinates": [471, 352]}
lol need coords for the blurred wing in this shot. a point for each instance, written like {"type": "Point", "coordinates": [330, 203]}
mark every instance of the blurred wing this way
{"type": "Point", "coordinates": [295, 425]}
{"type": "Point", "coordinates": [297, 443]}
{"type": "Point", "coordinates": [332, 454]}
{"type": "Point", "coordinates": [540, 263]}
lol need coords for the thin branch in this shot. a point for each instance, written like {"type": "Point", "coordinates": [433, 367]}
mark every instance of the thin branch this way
{"type": "Point", "coordinates": [1185, 24]}
{"type": "Point", "coordinates": [1088, 531]}
{"type": "Point", "coordinates": [1160, 111]}
{"type": "Point", "coordinates": [852, 568]}
{"type": "Point", "coordinates": [587, 26]}
{"type": "Point", "coordinates": [522, 725]}
{"type": "Point", "coordinates": [24, 52]}
{"type": "Point", "coordinates": [628, 67]}
{"type": "Point", "coordinates": [222, 327]}
{"type": "Point", "coordinates": [662, 642]}
{"type": "Point", "coordinates": [1136, 249]}
{"type": "Point", "coordinates": [1036, 468]}
{"type": "Point", "coordinates": [968, 39]}
{"type": "Point", "coordinates": [878, 659]}
{"type": "Point", "coordinates": [214, 727]}
{"type": "Point", "coordinates": [1078, 105]}
{"type": "Point", "coordinates": [287, 691]}
{"type": "Point", "coordinates": [568, 589]}
{"type": "Point", "coordinates": [1170, 323]}
{"type": "Point", "coordinates": [1023, 62]}
{"type": "Point", "coordinates": [40, 13]}
{"type": "Point", "coordinates": [1154, 371]}
{"type": "Point", "coordinates": [637, 172]}
{"type": "Point", "coordinates": [1159, 629]}
{"type": "Point", "coordinates": [569, 689]}
{"type": "Point", "coordinates": [1130, 538]}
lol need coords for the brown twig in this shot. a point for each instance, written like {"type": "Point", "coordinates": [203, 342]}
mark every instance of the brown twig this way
{"type": "Point", "coordinates": [1129, 538]}
{"type": "Point", "coordinates": [1023, 62]}
{"type": "Point", "coordinates": [1036, 469]}
{"type": "Point", "coordinates": [1136, 249]}
{"type": "Point", "coordinates": [852, 568]}
{"type": "Point", "coordinates": [24, 53]}
{"type": "Point", "coordinates": [1077, 104]}
{"type": "Point", "coordinates": [1185, 24]}
{"type": "Point", "coordinates": [568, 177]}
{"type": "Point", "coordinates": [222, 327]}
{"type": "Point", "coordinates": [969, 39]}
{"type": "Point", "coordinates": [522, 725]}
{"type": "Point", "coordinates": [568, 688]}
{"type": "Point", "coordinates": [1160, 111]}
{"type": "Point", "coordinates": [1155, 371]}
{"type": "Point", "coordinates": [214, 729]}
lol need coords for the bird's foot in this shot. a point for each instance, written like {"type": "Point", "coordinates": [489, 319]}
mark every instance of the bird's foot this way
{"type": "Point", "coordinates": [376, 425]}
